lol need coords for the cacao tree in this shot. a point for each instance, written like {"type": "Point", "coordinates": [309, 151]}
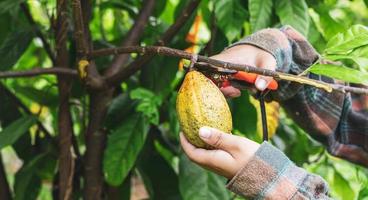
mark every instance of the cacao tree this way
{"type": "Point", "coordinates": [82, 119]}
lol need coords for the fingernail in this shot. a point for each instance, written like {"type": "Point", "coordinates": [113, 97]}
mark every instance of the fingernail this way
{"type": "Point", "coordinates": [261, 84]}
{"type": "Point", "coordinates": [204, 132]}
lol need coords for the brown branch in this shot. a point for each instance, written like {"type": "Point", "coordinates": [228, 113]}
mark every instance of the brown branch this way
{"type": "Point", "coordinates": [79, 32]}
{"type": "Point", "coordinates": [95, 143]}
{"type": "Point", "coordinates": [37, 31]}
{"type": "Point", "coordinates": [165, 38]}
{"type": "Point", "coordinates": [65, 124]}
{"type": "Point", "coordinates": [84, 45]}
{"type": "Point", "coordinates": [166, 51]}
{"type": "Point", "coordinates": [5, 193]}
{"type": "Point", "coordinates": [95, 135]}
{"type": "Point", "coordinates": [132, 37]}
{"type": "Point", "coordinates": [39, 71]}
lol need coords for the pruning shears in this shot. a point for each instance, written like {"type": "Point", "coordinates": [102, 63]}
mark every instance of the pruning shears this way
{"type": "Point", "coordinates": [227, 77]}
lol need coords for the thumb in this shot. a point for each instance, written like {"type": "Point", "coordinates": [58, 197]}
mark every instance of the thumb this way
{"type": "Point", "coordinates": [217, 138]}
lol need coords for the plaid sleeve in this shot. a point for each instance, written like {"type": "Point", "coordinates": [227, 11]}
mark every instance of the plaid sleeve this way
{"type": "Point", "coordinates": [271, 175]}
{"type": "Point", "coordinates": [339, 121]}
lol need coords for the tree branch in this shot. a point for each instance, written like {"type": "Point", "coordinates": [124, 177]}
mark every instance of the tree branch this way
{"type": "Point", "coordinates": [81, 44]}
{"type": "Point", "coordinates": [39, 71]}
{"type": "Point", "coordinates": [165, 38]}
{"type": "Point", "coordinates": [84, 43]}
{"type": "Point", "coordinates": [166, 51]}
{"type": "Point", "coordinates": [38, 32]}
{"type": "Point", "coordinates": [132, 37]}
{"type": "Point", "coordinates": [95, 135]}
{"type": "Point", "coordinates": [65, 124]}
{"type": "Point", "coordinates": [95, 143]}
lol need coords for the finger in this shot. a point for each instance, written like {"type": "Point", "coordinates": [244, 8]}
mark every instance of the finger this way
{"type": "Point", "coordinates": [195, 154]}
{"type": "Point", "coordinates": [265, 61]}
{"type": "Point", "coordinates": [230, 91]}
{"type": "Point", "coordinates": [203, 156]}
{"type": "Point", "coordinates": [217, 160]}
{"type": "Point", "coordinates": [218, 139]}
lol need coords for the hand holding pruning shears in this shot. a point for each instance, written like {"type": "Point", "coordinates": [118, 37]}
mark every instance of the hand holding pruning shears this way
{"type": "Point", "coordinates": [232, 152]}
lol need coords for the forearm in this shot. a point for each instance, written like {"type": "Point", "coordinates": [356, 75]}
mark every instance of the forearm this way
{"type": "Point", "coordinates": [271, 175]}
{"type": "Point", "coordinates": [328, 117]}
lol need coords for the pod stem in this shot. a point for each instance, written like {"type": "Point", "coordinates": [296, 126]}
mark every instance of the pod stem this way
{"type": "Point", "coordinates": [263, 114]}
{"type": "Point", "coordinates": [193, 61]}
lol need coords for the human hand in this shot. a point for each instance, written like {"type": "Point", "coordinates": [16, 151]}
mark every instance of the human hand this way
{"type": "Point", "coordinates": [231, 152]}
{"type": "Point", "coordinates": [250, 55]}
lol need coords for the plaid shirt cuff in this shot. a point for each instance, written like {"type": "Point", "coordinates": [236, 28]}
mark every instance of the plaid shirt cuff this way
{"type": "Point", "coordinates": [270, 174]}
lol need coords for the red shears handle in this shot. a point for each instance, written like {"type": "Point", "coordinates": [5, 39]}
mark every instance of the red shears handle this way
{"type": "Point", "coordinates": [251, 78]}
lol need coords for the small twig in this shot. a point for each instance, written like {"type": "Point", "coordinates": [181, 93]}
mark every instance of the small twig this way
{"type": "Point", "coordinates": [37, 31]}
{"type": "Point", "coordinates": [132, 37]}
{"type": "Point", "coordinates": [166, 51]}
{"type": "Point", "coordinates": [82, 48]}
{"type": "Point", "coordinates": [84, 44]}
{"type": "Point", "coordinates": [169, 34]}
{"type": "Point", "coordinates": [39, 71]}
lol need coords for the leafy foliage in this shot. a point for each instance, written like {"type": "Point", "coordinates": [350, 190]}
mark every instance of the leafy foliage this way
{"type": "Point", "coordinates": [140, 121]}
{"type": "Point", "coordinates": [15, 130]}
{"type": "Point", "coordinates": [13, 47]}
{"type": "Point", "coordinates": [294, 13]}
{"type": "Point", "coordinates": [260, 14]}
{"type": "Point", "coordinates": [230, 16]}
{"type": "Point", "coordinates": [192, 177]}
{"type": "Point", "coordinates": [123, 147]}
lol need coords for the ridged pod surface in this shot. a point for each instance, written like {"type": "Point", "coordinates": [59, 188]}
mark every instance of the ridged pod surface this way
{"type": "Point", "coordinates": [200, 103]}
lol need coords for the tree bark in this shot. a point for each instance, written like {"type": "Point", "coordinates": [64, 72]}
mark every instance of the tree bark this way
{"type": "Point", "coordinates": [65, 127]}
{"type": "Point", "coordinates": [96, 135]}
{"type": "Point", "coordinates": [95, 143]}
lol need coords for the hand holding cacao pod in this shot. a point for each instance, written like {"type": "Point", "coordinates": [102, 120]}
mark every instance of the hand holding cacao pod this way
{"type": "Point", "coordinates": [200, 103]}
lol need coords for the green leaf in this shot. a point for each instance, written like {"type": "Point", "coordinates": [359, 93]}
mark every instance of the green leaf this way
{"type": "Point", "coordinates": [341, 186]}
{"type": "Point", "coordinates": [156, 172]}
{"type": "Point", "coordinates": [358, 55]}
{"type": "Point", "coordinates": [244, 115]}
{"type": "Point", "coordinates": [343, 43]}
{"type": "Point", "coordinates": [9, 5]}
{"type": "Point", "coordinates": [260, 12]}
{"type": "Point", "coordinates": [363, 193]}
{"type": "Point", "coordinates": [12, 132]}
{"type": "Point", "coordinates": [123, 147]}
{"type": "Point", "coordinates": [294, 13]}
{"type": "Point", "coordinates": [120, 108]}
{"type": "Point", "coordinates": [148, 104]}
{"type": "Point", "coordinates": [13, 47]}
{"type": "Point", "coordinates": [325, 24]}
{"type": "Point", "coordinates": [340, 72]}
{"type": "Point", "coordinates": [366, 3]}
{"type": "Point", "coordinates": [230, 16]}
{"type": "Point", "coordinates": [196, 183]}
{"type": "Point", "coordinates": [45, 96]}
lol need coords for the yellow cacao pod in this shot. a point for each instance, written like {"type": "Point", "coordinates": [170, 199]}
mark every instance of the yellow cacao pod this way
{"type": "Point", "coordinates": [200, 103]}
